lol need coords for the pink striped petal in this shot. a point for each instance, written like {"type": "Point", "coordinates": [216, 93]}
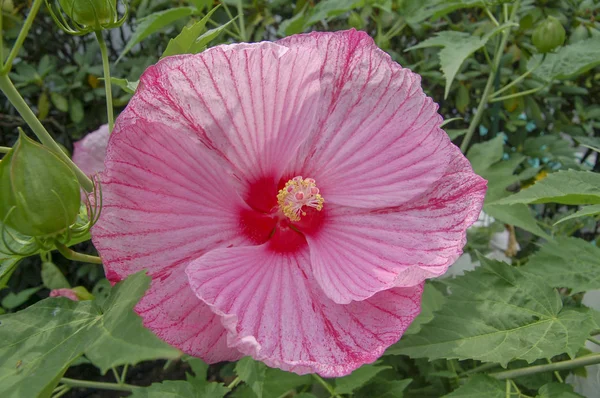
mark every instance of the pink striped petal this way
{"type": "Point", "coordinates": [68, 293]}
{"type": "Point", "coordinates": [166, 202]}
{"type": "Point", "coordinates": [359, 253]}
{"type": "Point", "coordinates": [251, 104]}
{"type": "Point", "coordinates": [174, 313]}
{"type": "Point", "coordinates": [378, 141]}
{"type": "Point", "coordinates": [90, 151]}
{"type": "Point", "coordinates": [274, 311]}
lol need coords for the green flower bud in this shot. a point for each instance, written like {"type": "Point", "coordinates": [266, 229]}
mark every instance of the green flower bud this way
{"type": "Point", "coordinates": [95, 13]}
{"type": "Point", "coordinates": [39, 193]}
{"type": "Point", "coordinates": [548, 35]}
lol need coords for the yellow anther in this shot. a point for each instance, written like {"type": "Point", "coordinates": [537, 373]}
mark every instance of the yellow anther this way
{"type": "Point", "coordinates": [296, 194]}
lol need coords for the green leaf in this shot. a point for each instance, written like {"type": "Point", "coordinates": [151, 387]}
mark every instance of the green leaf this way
{"type": "Point", "coordinates": [480, 386]}
{"type": "Point", "coordinates": [518, 215]}
{"type": "Point", "coordinates": [153, 23]}
{"type": "Point", "coordinates": [418, 11]}
{"type": "Point", "coordinates": [568, 61]}
{"type": "Point", "coordinates": [557, 390]}
{"type": "Point", "coordinates": [589, 142]}
{"type": "Point", "coordinates": [185, 42]}
{"type": "Point", "coordinates": [8, 265]}
{"type": "Point", "coordinates": [567, 262]}
{"type": "Point", "coordinates": [252, 373]}
{"type": "Point", "coordinates": [497, 313]}
{"type": "Point", "coordinates": [126, 85]}
{"type": "Point", "coordinates": [456, 48]}
{"type": "Point", "coordinates": [482, 156]}
{"type": "Point", "coordinates": [586, 211]}
{"type": "Point", "coordinates": [40, 342]}
{"type": "Point", "coordinates": [180, 389]}
{"type": "Point", "coordinates": [60, 102]}
{"type": "Point", "coordinates": [122, 339]}
{"type": "Point", "coordinates": [383, 389]}
{"type": "Point", "coordinates": [52, 277]}
{"type": "Point", "coordinates": [293, 25]}
{"type": "Point", "coordinates": [277, 382]}
{"type": "Point", "coordinates": [357, 379]}
{"type": "Point", "coordinates": [13, 300]}
{"type": "Point", "coordinates": [331, 8]}
{"type": "Point", "coordinates": [432, 301]}
{"type": "Point", "coordinates": [76, 110]}
{"type": "Point", "coordinates": [565, 187]}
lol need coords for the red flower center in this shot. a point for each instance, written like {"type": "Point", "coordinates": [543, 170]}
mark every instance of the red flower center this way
{"type": "Point", "coordinates": [282, 212]}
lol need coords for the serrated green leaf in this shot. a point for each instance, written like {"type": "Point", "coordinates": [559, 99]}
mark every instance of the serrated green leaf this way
{"type": "Point", "coordinates": [122, 339]}
{"type": "Point", "coordinates": [252, 373]}
{"type": "Point", "coordinates": [40, 342]}
{"type": "Point", "coordinates": [432, 301]}
{"type": "Point", "coordinates": [480, 386]}
{"type": "Point", "coordinates": [483, 155]}
{"type": "Point", "coordinates": [586, 211]}
{"type": "Point", "coordinates": [456, 48]}
{"type": "Point", "coordinates": [565, 187]}
{"type": "Point", "coordinates": [357, 379]}
{"type": "Point", "coordinates": [383, 389]}
{"type": "Point", "coordinates": [557, 390]}
{"type": "Point", "coordinates": [568, 61]}
{"type": "Point", "coordinates": [589, 142]}
{"type": "Point", "coordinates": [153, 23]}
{"type": "Point", "coordinates": [180, 389]}
{"type": "Point", "coordinates": [184, 42]}
{"type": "Point", "coordinates": [567, 262]}
{"type": "Point", "coordinates": [497, 313]}
{"type": "Point", "coordinates": [518, 215]}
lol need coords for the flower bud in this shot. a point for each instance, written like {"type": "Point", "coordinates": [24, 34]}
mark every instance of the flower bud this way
{"type": "Point", "coordinates": [39, 193]}
{"type": "Point", "coordinates": [94, 13]}
{"type": "Point", "coordinates": [548, 35]}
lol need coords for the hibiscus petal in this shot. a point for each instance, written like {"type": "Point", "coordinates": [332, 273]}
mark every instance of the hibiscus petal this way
{"type": "Point", "coordinates": [359, 253]}
{"type": "Point", "coordinates": [173, 312]}
{"type": "Point", "coordinates": [165, 201]}
{"type": "Point", "coordinates": [378, 141]}
{"type": "Point", "coordinates": [252, 104]}
{"type": "Point", "coordinates": [89, 152]}
{"type": "Point", "coordinates": [275, 312]}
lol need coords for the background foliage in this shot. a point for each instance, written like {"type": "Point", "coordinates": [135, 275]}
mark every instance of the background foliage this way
{"type": "Point", "coordinates": [515, 327]}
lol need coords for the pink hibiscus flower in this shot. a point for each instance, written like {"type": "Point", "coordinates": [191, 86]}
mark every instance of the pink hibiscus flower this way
{"type": "Point", "coordinates": [68, 293]}
{"type": "Point", "coordinates": [288, 200]}
{"type": "Point", "coordinates": [90, 151]}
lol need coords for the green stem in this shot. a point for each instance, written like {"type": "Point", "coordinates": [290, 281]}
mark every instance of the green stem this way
{"type": "Point", "coordinates": [35, 7]}
{"type": "Point", "coordinates": [5, 149]}
{"type": "Point", "coordinates": [45, 138]}
{"type": "Point", "coordinates": [488, 87]}
{"type": "Point", "coordinates": [73, 255]}
{"type": "Point", "coordinates": [230, 16]}
{"type": "Point", "coordinates": [61, 392]}
{"type": "Point", "coordinates": [327, 386]}
{"type": "Point", "coordinates": [481, 368]}
{"type": "Point", "coordinates": [508, 389]}
{"type": "Point", "coordinates": [515, 95]}
{"type": "Point", "coordinates": [593, 340]}
{"type": "Point", "coordinates": [240, 10]}
{"type": "Point", "coordinates": [489, 14]}
{"type": "Point", "coordinates": [97, 385]}
{"type": "Point", "coordinates": [107, 81]}
{"type": "Point", "coordinates": [563, 365]}
{"type": "Point", "coordinates": [518, 79]}
{"type": "Point", "coordinates": [124, 373]}
{"type": "Point", "coordinates": [234, 383]}
{"type": "Point", "coordinates": [116, 375]}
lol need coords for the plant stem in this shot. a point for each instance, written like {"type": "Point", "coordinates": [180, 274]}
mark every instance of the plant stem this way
{"type": "Point", "coordinates": [234, 383]}
{"type": "Point", "coordinates": [35, 7]}
{"type": "Point", "coordinates": [107, 81]}
{"type": "Point", "coordinates": [508, 389]}
{"type": "Point", "coordinates": [73, 255]}
{"type": "Point", "coordinates": [240, 10]}
{"type": "Point", "coordinates": [5, 149]}
{"type": "Point", "coordinates": [45, 138]}
{"type": "Point", "coordinates": [518, 79]}
{"type": "Point", "coordinates": [488, 86]}
{"type": "Point", "coordinates": [489, 14]}
{"type": "Point", "coordinates": [61, 392]}
{"type": "Point", "coordinates": [97, 385]}
{"type": "Point", "coordinates": [481, 368]}
{"type": "Point", "coordinates": [593, 340]}
{"type": "Point", "coordinates": [124, 373]}
{"type": "Point", "coordinates": [515, 95]}
{"type": "Point", "coordinates": [570, 364]}
{"type": "Point", "coordinates": [327, 386]}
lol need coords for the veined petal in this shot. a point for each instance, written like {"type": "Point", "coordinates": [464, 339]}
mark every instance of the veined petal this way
{"type": "Point", "coordinates": [377, 142]}
{"type": "Point", "coordinates": [173, 312]}
{"type": "Point", "coordinates": [250, 103]}
{"type": "Point", "coordinates": [274, 311]}
{"type": "Point", "coordinates": [356, 254]}
{"type": "Point", "coordinates": [165, 201]}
